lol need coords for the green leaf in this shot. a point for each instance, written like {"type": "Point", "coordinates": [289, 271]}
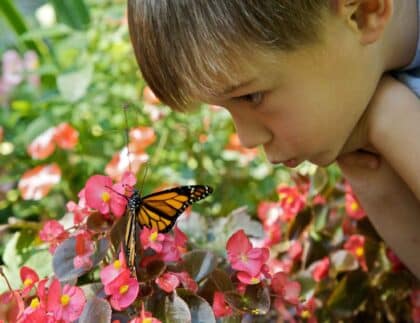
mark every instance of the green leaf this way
{"type": "Point", "coordinates": [73, 86]}
{"type": "Point", "coordinates": [176, 310]}
{"type": "Point", "coordinates": [218, 280]}
{"type": "Point", "coordinates": [91, 290]}
{"type": "Point", "coordinates": [255, 300]}
{"type": "Point", "coordinates": [349, 294]}
{"type": "Point", "coordinates": [55, 31]}
{"type": "Point", "coordinates": [96, 310]}
{"type": "Point", "coordinates": [11, 257]}
{"type": "Point", "coordinates": [41, 262]}
{"type": "Point", "coordinates": [18, 24]}
{"type": "Point", "coordinates": [342, 260]}
{"type": "Point", "coordinates": [74, 13]}
{"type": "Point", "coordinates": [299, 224]}
{"type": "Point", "coordinates": [318, 181]}
{"type": "Point", "coordinates": [199, 263]}
{"type": "Point", "coordinates": [201, 311]}
{"type": "Point", "coordinates": [66, 252]}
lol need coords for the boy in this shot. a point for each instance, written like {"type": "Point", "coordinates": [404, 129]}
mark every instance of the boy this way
{"type": "Point", "coordinates": [307, 80]}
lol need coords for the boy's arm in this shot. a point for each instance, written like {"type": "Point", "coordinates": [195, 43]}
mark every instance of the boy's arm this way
{"type": "Point", "coordinates": [390, 189]}
{"type": "Point", "coordinates": [391, 206]}
{"type": "Point", "coordinates": [395, 130]}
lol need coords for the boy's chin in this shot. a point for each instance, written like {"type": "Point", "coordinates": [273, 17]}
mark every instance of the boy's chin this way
{"type": "Point", "coordinates": [324, 160]}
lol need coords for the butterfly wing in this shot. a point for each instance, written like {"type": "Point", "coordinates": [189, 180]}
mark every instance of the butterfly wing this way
{"type": "Point", "coordinates": [130, 240]}
{"type": "Point", "coordinates": [160, 210]}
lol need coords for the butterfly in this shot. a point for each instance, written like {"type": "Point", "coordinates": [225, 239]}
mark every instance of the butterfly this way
{"type": "Point", "coordinates": [159, 211]}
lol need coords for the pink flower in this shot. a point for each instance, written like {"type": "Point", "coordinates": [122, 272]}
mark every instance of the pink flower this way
{"type": "Point", "coordinates": [38, 181]}
{"type": "Point", "coordinates": [243, 257]}
{"type": "Point", "coordinates": [12, 306]}
{"type": "Point", "coordinates": [173, 247]}
{"type": "Point", "coordinates": [319, 200]}
{"type": "Point", "coordinates": [103, 196]}
{"type": "Point", "coordinates": [112, 271]}
{"type": "Point", "coordinates": [186, 281]}
{"type": "Point", "coordinates": [79, 213]}
{"type": "Point", "coordinates": [415, 314]}
{"type": "Point", "coordinates": [123, 290]}
{"type": "Point", "coordinates": [43, 145]}
{"type": "Point", "coordinates": [396, 264]}
{"type": "Point", "coordinates": [355, 245]}
{"type": "Point", "coordinates": [220, 307]}
{"type": "Point", "coordinates": [285, 288]}
{"type": "Point", "coordinates": [53, 232]}
{"type": "Point", "coordinates": [320, 269]}
{"type": "Point", "coordinates": [269, 213]}
{"type": "Point", "coordinates": [144, 317]}
{"type": "Point", "coordinates": [291, 200]}
{"type": "Point", "coordinates": [29, 277]}
{"type": "Point", "coordinates": [167, 282]}
{"type": "Point", "coordinates": [415, 303]}
{"type": "Point", "coordinates": [35, 312]}
{"type": "Point", "coordinates": [151, 238]}
{"type": "Point", "coordinates": [295, 251]}
{"type": "Point", "coordinates": [180, 239]}
{"type": "Point", "coordinates": [353, 208]}
{"type": "Point", "coordinates": [307, 311]}
{"type": "Point", "coordinates": [65, 303]}
{"type": "Point", "coordinates": [245, 278]}
{"type": "Point", "coordinates": [415, 297]}
{"type": "Point", "coordinates": [284, 265]}
{"type": "Point", "coordinates": [65, 136]}
{"type": "Point", "coordinates": [85, 247]}
{"type": "Point", "coordinates": [273, 234]}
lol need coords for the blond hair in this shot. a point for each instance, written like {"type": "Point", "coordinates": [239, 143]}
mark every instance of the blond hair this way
{"type": "Point", "coordinates": [187, 48]}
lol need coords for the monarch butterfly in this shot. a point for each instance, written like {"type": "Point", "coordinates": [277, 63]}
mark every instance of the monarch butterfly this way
{"type": "Point", "coordinates": [159, 211]}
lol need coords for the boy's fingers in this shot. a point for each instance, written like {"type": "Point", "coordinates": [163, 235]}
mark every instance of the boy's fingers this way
{"type": "Point", "coordinates": [360, 159]}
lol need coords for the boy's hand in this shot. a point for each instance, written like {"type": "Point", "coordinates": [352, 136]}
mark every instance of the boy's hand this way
{"type": "Point", "coordinates": [391, 206]}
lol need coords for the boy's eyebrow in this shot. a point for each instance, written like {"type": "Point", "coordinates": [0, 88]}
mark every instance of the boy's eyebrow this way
{"type": "Point", "coordinates": [233, 88]}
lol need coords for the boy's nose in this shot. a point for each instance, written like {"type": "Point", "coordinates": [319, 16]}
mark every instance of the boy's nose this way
{"type": "Point", "coordinates": [251, 131]}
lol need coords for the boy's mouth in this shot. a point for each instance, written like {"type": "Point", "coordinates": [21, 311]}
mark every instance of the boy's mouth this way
{"type": "Point", "coordinates": [291, 162]}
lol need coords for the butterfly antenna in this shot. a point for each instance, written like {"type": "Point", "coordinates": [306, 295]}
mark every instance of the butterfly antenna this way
{"type": "Point", "coordinates": [144, 178]}
{"type": "Point", "coordinates": [122, 195]}
{"type": "Point", "coordinates": [125, 108]}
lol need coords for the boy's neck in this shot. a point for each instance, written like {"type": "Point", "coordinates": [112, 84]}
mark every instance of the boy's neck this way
{"type": "Point", "coordinates": [400, 40]}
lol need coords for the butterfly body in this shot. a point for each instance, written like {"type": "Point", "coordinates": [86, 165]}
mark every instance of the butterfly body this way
{"type": "Point", "coordinates": [158, 210]}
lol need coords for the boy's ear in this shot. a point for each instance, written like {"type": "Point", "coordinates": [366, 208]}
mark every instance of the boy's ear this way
{"type": "Point", "coordinates": [367, 17]}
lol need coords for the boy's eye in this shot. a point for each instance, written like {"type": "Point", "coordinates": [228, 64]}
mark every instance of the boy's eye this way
{"type": "Point", "coordinates": [253, 98]}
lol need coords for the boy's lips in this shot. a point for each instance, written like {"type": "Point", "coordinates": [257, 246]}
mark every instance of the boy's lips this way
{"type": "Point", "coordinates": [291, 162]}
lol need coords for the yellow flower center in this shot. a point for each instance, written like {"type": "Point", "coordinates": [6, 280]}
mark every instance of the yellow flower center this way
{"type": "Point", "coordinates": [35, 303]}
{"type": "Point", "coordinates": [123, 289]}
{"type": "Point", "coordinates": [359, 251]}
{"type": "Point", "coordinates": [305, 314]}
{"type": "Point", "coordinates": [354, 206]}
{"type": "Point", "coordinates": [106, 197]}
{"type": "Point", "coordinates": [153, 236]}
{"type": "Point", "coordinates": [254, 280]}
{"type": "Point", "coordinates": [117, 264]}
{"type": "Point", "coordinates": [147, 320]}
{"type": "Point", "coordinates": [28, 282]}
{"type": "Point", "coordinates": [289, 200]}
{"type": "Point", "coordinates": [244, 258]}
{"type": "Point", "coordinates": [65, 299]}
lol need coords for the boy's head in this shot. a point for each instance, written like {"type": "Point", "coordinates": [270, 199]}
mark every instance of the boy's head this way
{"type": "Point", "coordinates": [296, 75]}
